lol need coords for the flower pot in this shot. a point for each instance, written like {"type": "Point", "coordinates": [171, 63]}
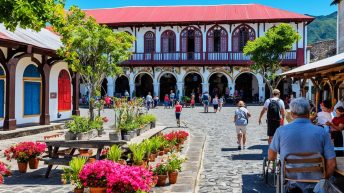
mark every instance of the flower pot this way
{"type": "Point", "coordinates": [166, 150]}
{"type": "Point", "coordinates": [33, 163]}
{"type": "Point", "coordinates": [83, 136]}
{"type": "Point", "coordinates": [84, 152]}
{"type": "Point", "coordinates": [126, 137]}
{"type": "Point", "coordinates": [97, 189]}
{"type": "Point", "coordinates": [133, 133]}
{"type": "Point", "coordinates": [148, 127]}
{"type": "Point", "coordinates": [172, 177]}
{"type": "Point", "coordinates": [153, 124]}
{"type": "Point", "coordinates": [115, 136]}
{"type": "Point", "coordinates": [161, 153]}
{"type": "Point", "coordinates": [100, 132]}
{"type": "Point", "coordinates": [161, 180]}
{"type": "Point", "coordinates": [93, 133]}
{"type": "Point", "coordinates": [152, 157]}
{"type": "Point", "coordinates": [92, 160]}
{"type": "Point", "coordinates": [78, 190]}
{"type": "Point", "coordinates": [22, 167]}
{"type": "Point", "coordinates": [70, 136]}
{"type": "Point", "coordinates": [138, 132]}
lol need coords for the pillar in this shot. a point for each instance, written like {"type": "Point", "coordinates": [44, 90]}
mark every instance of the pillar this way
{"type": "Point", "coordinates": [45, 116]}
{"type": "Point", "coordinates": [231, 87]}
{"type": "Point", "coordinates": [132, 89]}
{"type": "Point", "coordinates": [261, 92]}
{"type": "Point", "coordinates": [10, 122]}
{"type": "Point", "coordinates": [156, 89]}
{"type": "Point", "coordinates": [110, 87]}
{"type": "Point", "coordinates": [205, 87]}
{"type": "Point", "coordinates": [75, 83]}
{"type": "Point", "coordinates": [180, 88]}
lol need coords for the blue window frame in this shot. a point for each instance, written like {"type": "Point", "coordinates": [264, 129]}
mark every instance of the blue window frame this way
{"type": "Point", "coordinates": [32, 90]}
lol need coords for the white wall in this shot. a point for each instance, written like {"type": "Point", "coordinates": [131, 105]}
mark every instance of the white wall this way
{"type": "Point", "coordinates": [53, 87]}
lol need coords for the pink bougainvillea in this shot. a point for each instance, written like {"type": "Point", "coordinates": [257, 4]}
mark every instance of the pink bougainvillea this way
{"type": "Point", "coordinates": [4, 171]}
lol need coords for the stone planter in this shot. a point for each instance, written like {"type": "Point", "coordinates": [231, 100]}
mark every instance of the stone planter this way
{"type": "Point", "coordinates": [139, 131]}
{"type": "Point", "coordinates": [83, 136]}
{"type": "Point", "coordinates": [70, 136]}
{"type": "Point", "coordinates": [126, 137]}
{"type": "Point", "coordinates": [153, 124]}
{"type": "Point", "coordinates": [115, 136]}
{"type": "Point", "coordinates": [133, 133]}
{"type": "Point", "coordinates": [100, 132]}
{"type": "Point", "coordinates": [93, 133]}
{"type": "Point", "coordinates": [148, 127]}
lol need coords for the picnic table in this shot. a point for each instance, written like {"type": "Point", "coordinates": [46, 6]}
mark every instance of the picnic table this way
{"type": "Point", "coordinates": [55, 145]}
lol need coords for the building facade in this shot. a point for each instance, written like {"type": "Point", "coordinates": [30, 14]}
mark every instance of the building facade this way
{"type": "Point", "coordinates": [35, 85]}
{"type": "Point", "coordinates": [197, 49]}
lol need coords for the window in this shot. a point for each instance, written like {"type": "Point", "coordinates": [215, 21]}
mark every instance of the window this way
{"type": "Point", "coordinates": [191, 40]}
{"type": "Point", "coordinates": [149, 42]}
{"type": "Point", "coordinates": [217, 39]}
{"type": "Point", "coordinates": [168, 42]}
{"type": "Point", "coordinates": [241, 35]}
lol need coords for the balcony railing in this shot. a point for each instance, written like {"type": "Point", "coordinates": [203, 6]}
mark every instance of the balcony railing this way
{"type": "Point", "coordinates": [202, 57]}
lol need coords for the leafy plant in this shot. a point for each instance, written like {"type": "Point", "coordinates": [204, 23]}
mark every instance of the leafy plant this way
{"type": "Point", "coordinates": [97, 123]}
{"type": "Point", "coordinates": [160, 169]}
{"type": "Point", "coordinates": [148, 147]}
{"type": "Point", "coordinates": [114, 153]}
{"type": "Point", "coordinates": [186, 99]}
{"type": "Point", "coordinates": [71, 174]}
{"type": "Point", "coordinates": [78, 125]}
{"type": "Point", "coordinates": [174, 163]}
{"type": "Point", "coordinates": [138, 151]}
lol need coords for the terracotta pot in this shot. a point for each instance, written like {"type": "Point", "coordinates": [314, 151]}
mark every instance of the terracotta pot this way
{"type": "Point", "coordinates": [161, 153]}
{"type": "Point", "coordinates": [161, 180]}
{"type": "Point", "coordinates": [92, 160]}
{"type": "Point", "coordinates": [122, 162]}
{"type": "Point", "coordinates": [172, 177]}
{"type": "Point", "coordinates": [84, 152]}
{"type": "Point", "coordinates": [166, 150]}
{"type": "Point", "coordinates": [78, 190]}
{"type": "Point", "coordinates": [33, 163]}
{"type": "Point", "coordinates": [152, 157]}
{"type": "Point", "coordinates": [97, 189]}
{"type": "Point", "coordinates": [22, 167]}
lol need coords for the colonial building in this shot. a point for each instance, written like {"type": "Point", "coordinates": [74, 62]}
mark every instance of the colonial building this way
{"type": "Point", "coordinates": [194, 49]}
{"type": "Point", "coordinates": [35, 85]}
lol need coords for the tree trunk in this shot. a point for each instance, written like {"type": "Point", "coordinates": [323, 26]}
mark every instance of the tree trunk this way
{"type": "Point", "coordinates": [91, 103]}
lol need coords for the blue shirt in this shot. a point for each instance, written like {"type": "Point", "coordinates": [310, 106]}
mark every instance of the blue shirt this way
{"type": "Point", "coordinates": [302, 136]}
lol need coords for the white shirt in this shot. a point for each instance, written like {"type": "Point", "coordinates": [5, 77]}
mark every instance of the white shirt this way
{"type": "Point", "coordinates": [149, 98]}
{"type": "Point", "coordinates": [324, 117]}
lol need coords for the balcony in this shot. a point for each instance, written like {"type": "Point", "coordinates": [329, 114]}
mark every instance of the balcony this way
{"type": "Point", "coordinates": [202, 58]}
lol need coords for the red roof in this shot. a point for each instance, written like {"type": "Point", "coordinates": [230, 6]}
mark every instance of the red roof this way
{"type": "Point", "coordinates": [127, 16]}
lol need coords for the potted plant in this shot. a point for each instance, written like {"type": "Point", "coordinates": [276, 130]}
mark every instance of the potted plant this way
{"type": "Point", "coordinates": [20, 152]}
{"type": "Point", "coordinates": [97, 125]}
{"type": "Point", "coordinates": [148, 148]}
{"type": "Point", "coordinates": [160, 170]}
{"type": "Point", "coordinates": [71, 174]}
{"type": "Point", "coordinates": [115, 154]}
{"type": "Point", "coordinates": [4, 171]}
{"type": "Point", "coordinates": [38, 149]}
{"type": "Point", "coordinates": [138, 153]}
{"type": "Point", "coordinates": [174, 165]}
{"type": "Point", "coordinates": [95, 175]}
{"type": "Point", "coordinates": [155, 147]}
{"type": "Point", "coordinates": [79, 128]}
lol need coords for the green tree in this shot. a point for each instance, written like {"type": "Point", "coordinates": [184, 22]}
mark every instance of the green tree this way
{"type": "Point", "coordinates": [34, 14]}
{"type": "Point", "coordinates": [265, 51]}
{"type": "Point", "coordinates": [92, 50]}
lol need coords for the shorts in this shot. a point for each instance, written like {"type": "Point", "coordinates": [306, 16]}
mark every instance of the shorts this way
{"type": "Point", "coordinates": [216, 107]}
{"type": "Point", "coordinates": [206, 102]}
{"type": "Point", "coordinates": [272, 127]}
{"type": "Point", "coordinates": [178, 116]}
{"type": "Point", "coordinates": [241, 129]}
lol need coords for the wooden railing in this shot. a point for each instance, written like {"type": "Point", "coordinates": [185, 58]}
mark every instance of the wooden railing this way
{"type": "Point", "coordinates": [200, 56]}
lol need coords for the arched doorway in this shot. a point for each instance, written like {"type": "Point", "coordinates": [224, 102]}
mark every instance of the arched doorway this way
{"type": "Point", "coordinates": [167, 83]}
{"type": "Point", "coordinates": [103, 89]}
{"type": "Point", "coordinates": [64, 91]}
{"type": "Point", "coordinates": [217, 84]}
{"type": "Point", "coordinates": [122, 85]}
{"type": "Point", "coordinates": [2, 92]}
{"type": "Point", "coordinates": [143, 85]}
{"type": "Point", "coordinates": [246, 86]}
{"type": "Point", "coordinates": [193, 85]}
{"type": "Point", "coordinates": [32, 91]}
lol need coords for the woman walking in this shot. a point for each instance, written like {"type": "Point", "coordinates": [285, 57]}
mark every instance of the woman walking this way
{"type": "Point", "coordinates": [216, 103]}
{"type": "Point", "coordinates": [178, 110]}
{"type": "Point", "coordinates": [241, 120]}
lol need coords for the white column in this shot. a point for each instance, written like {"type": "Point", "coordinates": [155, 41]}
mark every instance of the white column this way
{"type": "Point", "coordinates": [110, 87]}
{"type": "Point", "coordinates": [132, 89]}
{"type": "Point", "coordinates": [205, 87]}
{"type": "Point", "coordinates": [261, 88]}
{"type": "Point", "coordinates": [180, 88]}
{"type": "Point", "coordinates": [156, 88]}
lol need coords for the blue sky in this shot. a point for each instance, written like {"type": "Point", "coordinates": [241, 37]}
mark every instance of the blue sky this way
{"type": "Point", "coordinates": [312, 7]}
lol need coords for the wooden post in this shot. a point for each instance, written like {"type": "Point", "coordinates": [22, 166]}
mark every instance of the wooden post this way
{"type": "Point", "coordinates": [75, 82]}
{"type": "Point", "coordinates": [10, 122]}
{"type": "Point", "coordinates": [45, 116]}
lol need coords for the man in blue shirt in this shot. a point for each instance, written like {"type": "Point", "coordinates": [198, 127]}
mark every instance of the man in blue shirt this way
{"type": "Point", "coordinates": [302, 136]}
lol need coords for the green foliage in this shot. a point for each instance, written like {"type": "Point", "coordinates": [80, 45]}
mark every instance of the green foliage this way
{"type": "Point", "coordinates": [80, 124]}
{"type": "Point", "coordinates": [322, 28]}
{"type": "Point", "coordinates": [160, 169]}
{"type": "Point", "coordinates": [146, 118]}
{"type": "Point", "coordinates": [148, 147]}
{"type": "Point", "coordinates": [186, 99]}
{"type": "Point", "coordinates": [138, 151]}
{"type": "Point", "coordinates": [115, 153]}
{"type": "Point", "coordinates": [71, 174]}
{"type": "Point", "coordinates": [97, 123]}
{"type": "Point", "coordinates": [175, 163]}
{"type": "Point", "coordinates": [30, 14]}
{"type": "Point", "coordinates": [266, 50]}
{"type": "Point", "coordinates": [91, 49]}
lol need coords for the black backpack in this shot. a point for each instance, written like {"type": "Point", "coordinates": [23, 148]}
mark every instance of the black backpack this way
{"type": "Point", "coordinates": [273, 110]}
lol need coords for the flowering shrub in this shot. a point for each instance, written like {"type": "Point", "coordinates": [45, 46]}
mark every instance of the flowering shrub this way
{"type": "Point", "coordinates": [117, 178]}
{"type": "Point", "coordinates": [174, 163]}
{"type": "Point", "coordinates": [4, 171]}
{"type": "Point", "coordinates": [160, 169]}
{"type": "Point", "coordinates": [23, 151]}
{"type": "Point", "coordinates": [176, 136]}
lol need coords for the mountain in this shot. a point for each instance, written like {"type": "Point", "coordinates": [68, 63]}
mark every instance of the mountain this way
{"type": "Point", "coordinates": [322, 28]}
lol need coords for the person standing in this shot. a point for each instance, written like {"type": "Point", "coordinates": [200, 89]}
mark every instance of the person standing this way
{"type": "Point", "coordinates": [221, 101]}
{"type": "Point", "coordinates": [336, 128]}
{"type": "Point", "coordinates": [149, 101]}
{"type": "Point", "coordinates": [275, 113]}
{"type": "Point", "coordinates": [156, 100]}
{"type": "Point", "coordinates": [215, 103]}
{"type": "Point", "coordinates": [192, 102]}
{"type": "Point", "coordinates": [178, 110]}
{"type": "Point", "coordinates": [172, 98]}
{"type": "Point", "coordinates": [205, 100]}
{"type": "Point", "coordinates": [166, 101]}
{"type": "Point", "coordinates": [241, 116]}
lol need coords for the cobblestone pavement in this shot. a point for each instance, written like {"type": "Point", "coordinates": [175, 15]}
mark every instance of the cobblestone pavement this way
{"type": "Point", "coordinates": [225, 169]}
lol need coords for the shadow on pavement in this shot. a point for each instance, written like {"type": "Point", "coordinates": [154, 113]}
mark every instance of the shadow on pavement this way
{"type": "Point", "coordinates": [247, 157]}
{"type": "Point", "coordinates": [229, 149]}
{"type": "Point", "coordinates": [35, 178]}
{"type": "Point", "coordinates": [254, 183]}
{"type": "Point", "coordinates": [264, 149]}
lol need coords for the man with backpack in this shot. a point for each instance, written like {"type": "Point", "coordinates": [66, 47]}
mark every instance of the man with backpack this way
{"type": "Point", "coordinates": [275, 113]}
{"type": "Point", "coordinates": [206, 99]}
